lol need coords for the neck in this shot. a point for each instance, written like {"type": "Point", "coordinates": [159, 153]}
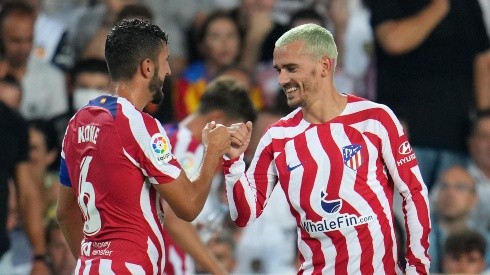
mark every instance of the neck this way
{"type": "Point", "coordinates": [325, 107]}
{"type": "Point", "coordinates": [195, 123]}
{"type": "Point", "coordinates": [129, 91]}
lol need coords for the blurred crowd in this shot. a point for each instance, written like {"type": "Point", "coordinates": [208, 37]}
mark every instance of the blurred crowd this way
{"type": "Point", "coordinates": [428, 60]}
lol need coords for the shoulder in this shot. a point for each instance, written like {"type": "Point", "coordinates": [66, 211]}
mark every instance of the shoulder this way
{"type": "Point", "coordinates": [369, 108]}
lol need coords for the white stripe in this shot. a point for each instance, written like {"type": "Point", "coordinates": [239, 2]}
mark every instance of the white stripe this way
{"type": "Point", "coordinates": [153, 253]}
{"type": "Point", "coordinates": [130, 158]}
{"type": "Point", "coordinates": [414, 225]}
{"type": "Point", "coordinates": [77, 268]}
{"type": "Point", "coordinates": [174, 258]}
{"type": "Point", "coordinates": [88, 265]}
{"type": "Point", "coordinates": [319, 155]}
{"type": "Point", "coordinates": [362, 206]}
{"type": "Point", "coordinates": [105, 267]}
{"type": "Point", "coordinates": [147, 213]}
{"type": "Point", "coordinates": [135, 269]}
{"type": "Point", "coordinates": [288, 132]}
{"type": "Point", "coordinates": [359, 106]}
{"type": "Point", "coordinates": [140, 133]}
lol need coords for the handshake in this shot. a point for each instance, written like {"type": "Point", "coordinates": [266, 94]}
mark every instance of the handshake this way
{"type": "Point", "coordinates": [221, 140]}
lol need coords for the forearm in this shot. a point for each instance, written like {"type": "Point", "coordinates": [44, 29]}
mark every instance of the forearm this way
{"type": "Point", "coordinates": [71, 226]}
{"type": "Point", "coordinates": [201, 183]}
{"type": "Point", "coordinates": [68, 215]}
{"type": "Point", "coordinates": [241, 197]}
{"type": "Point", "coordinates": [418, 225]}
{"type": "Point", "coordinates": [401, 36]}
{"type": "Point", "coordinates": [31, 209]}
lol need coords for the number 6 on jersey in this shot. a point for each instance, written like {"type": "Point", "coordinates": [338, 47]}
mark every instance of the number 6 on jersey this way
{"type": "Point", "coordinates": [86, 201]}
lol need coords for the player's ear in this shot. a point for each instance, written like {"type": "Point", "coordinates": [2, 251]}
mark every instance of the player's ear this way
{"type": "Point", "coordinates": [328, 65]}
{"type": "Point", "coordinates": [146, 68]}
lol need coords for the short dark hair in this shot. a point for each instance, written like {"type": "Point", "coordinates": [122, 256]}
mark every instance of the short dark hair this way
{"type": "Point", "coordinates": [231, 97]}
{"type": "Point", "coordinates": [92, 65]}
{"type": "Point", "coordinates": [465, 241]}
{"type": "Point", "coordinates": [128, 43]}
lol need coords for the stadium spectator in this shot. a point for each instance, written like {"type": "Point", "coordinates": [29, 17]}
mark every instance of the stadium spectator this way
{"type": "Point", "coordinates": [455, 198]}
{"type": "Point", "coordinates": [219, 45]}
{"type": "Point", "coordinates": [464, 253]}
{"type": "Point", "coordinates": [44, 93]}
{"type": "Point", "coordinates": [14, 165]}
{"type": "Point", "coordinates": [425, 53]}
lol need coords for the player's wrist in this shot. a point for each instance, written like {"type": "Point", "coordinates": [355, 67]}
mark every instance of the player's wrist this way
{"type": "Point", "coordinates": [42, 258]}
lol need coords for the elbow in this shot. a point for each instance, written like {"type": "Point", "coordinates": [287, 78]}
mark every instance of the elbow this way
{"type": "Point", "coordinates": [187, 215]}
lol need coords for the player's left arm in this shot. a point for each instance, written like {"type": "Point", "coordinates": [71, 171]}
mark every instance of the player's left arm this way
{"type": "Point", "coordinates": [402, 166]}
{"type": "Point", "coordinates": [68, 215]}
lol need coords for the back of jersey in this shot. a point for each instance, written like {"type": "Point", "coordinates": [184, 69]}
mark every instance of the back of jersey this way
{"type": "Point", "coordinates": [112, 154]}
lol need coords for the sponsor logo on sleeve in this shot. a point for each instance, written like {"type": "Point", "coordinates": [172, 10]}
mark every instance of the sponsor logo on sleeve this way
{"type": "Point", "coordinates": [160, 148]}
{"type": "Point", "coordinates": [405, 148]}
{"type": "Point", "coordinates": [406, 151]}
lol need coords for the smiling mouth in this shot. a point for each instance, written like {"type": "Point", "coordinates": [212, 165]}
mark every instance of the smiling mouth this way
{"type": "Point", "coordinates": [290, 90]}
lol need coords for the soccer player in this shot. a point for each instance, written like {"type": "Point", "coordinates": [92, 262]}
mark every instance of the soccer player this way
{"type": "Point", "coordinates": [338, 159]}
{"type": "Point", "coordinates": [117, 162]}
{"type": "Point", "coordinates": [226, 102]}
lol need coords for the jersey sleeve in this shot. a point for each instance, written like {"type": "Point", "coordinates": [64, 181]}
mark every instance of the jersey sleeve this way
{"type": "Point", "coordinates": [64, 176]}
{"type": "Point", "coordinates": [248, 192]}
{"type": "Point", "coordinates": [146, 145]}
{"type": "Point", "coordinates": [402, 166]}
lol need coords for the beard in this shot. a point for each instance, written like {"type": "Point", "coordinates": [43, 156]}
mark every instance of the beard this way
{"type": "Point", "coordinates": [156, 88]}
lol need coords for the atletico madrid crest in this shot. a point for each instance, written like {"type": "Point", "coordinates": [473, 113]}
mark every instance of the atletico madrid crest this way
{"type": "Point", "coordinates": [352, 156]}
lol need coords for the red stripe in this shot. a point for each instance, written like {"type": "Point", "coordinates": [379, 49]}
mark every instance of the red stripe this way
{"type": "Point", "coordinates": [388, 189]}
{"type": "Point", "coordinates": [260, 176]}
{"type": "Point", "coordinates": [332, 190]}
{"type": "Point", "coordinates": [241, 205]}
{"type": "Point", "coordinates": [307, 183]}
{"type": "Point", "coordinates": [371, 197]}
{"type": "Point", "coordinates": [415, 187]}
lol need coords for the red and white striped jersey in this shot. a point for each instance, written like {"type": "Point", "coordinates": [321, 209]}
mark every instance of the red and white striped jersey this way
{"type": "Point", "coordinates": [339, 179]}
{"type": "Point", "coordinates": [112, 155]}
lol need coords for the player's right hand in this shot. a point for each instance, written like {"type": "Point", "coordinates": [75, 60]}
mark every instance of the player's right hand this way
{"type": "Point", "coordinates": [216, 139]}
{"type": "Point", "coordinates": [240, 138]}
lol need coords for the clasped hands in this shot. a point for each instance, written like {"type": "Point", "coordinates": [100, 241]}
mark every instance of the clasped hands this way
{"type": "Point", "coordinates": [232, 140]}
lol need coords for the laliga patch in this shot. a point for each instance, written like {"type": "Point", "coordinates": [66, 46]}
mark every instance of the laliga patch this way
{"type": "Point", "coordinates": [160, 148]}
